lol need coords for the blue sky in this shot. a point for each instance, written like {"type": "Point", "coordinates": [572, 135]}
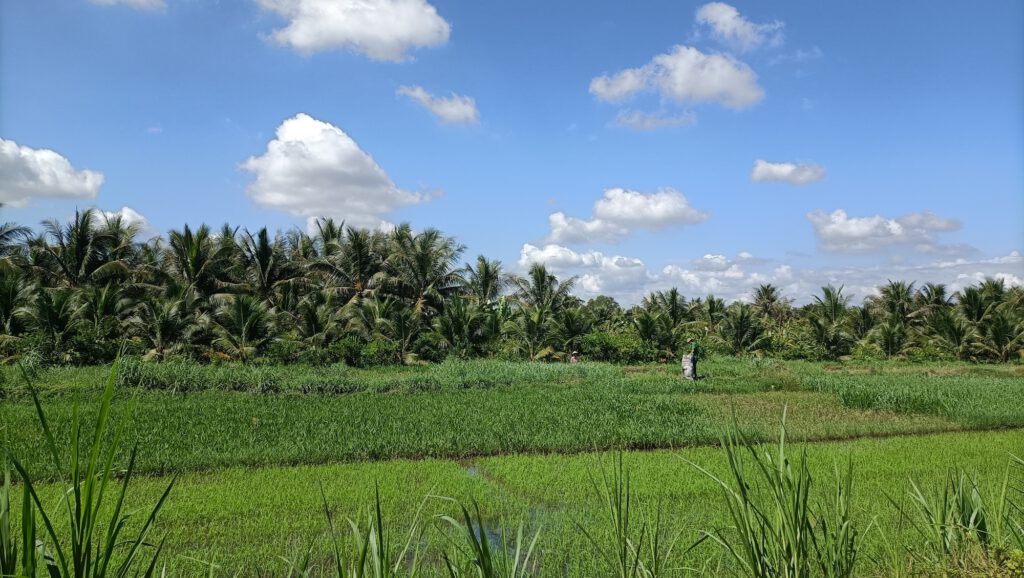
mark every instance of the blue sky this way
{"type": "Point", "coordinates": [892, 134]}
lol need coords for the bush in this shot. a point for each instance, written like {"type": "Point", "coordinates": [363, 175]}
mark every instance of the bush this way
{"type": "Point", "coordinates": [797, 341]}
{"type": "Point", "coordinates": [617, 347]}
{"type": "Point", "coordinates": [379, 352]}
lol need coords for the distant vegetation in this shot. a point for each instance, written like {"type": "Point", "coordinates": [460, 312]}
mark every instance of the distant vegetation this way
{"type": "Point", "coordinates": [73, 293]}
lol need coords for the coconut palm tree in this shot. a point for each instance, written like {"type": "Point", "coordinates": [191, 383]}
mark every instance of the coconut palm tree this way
{"type": "Point", "coordinates": [827, 316]}
{"type": "Point", "coordinates": [421, 270]}
{"type": "Point", "coordinates": [195, 260]}
{"type": "Point", "coordinates": [569, 328]}
{"type": "Point", "coordinates": [350, 265]}
{"type": "Point", "coordinates": [12, 241]}
{"type": "Point", "coordinates": [460, 329]}
{"type": "Point", "coordinates": [929, 298]}
{"type": "Point", "coordinates": [953, 334]}
{"type": "Point", "coordinates": [895, 301]}
{"type": "Point", "coordinates": [16, 293]}
{"type": "Point", "coordinates": [79, 252]}
{"type": "Point", "coordinates": [711, 312]}
{"type": "Point", "coordinates": [531, 329]}
{"type": "Point", "coordinates": [862, 320]}
{"type": "Point", "coordinates": [741, 329]}
{"type": "Point", "coordinates": [318, 320]}
{"type": "Point", "coordinates": [52, 314]}
{"type": "Point", "coordinates": [891, 337]}
{"type": "Point", "coordinates": [485, 282]}
{"type": "Point", "coordinates": [267, 270]}
{"type": "Point", "coordinates": [974, 306]}
{"type": "Point", "coordinates": [669, 303]}
{"type": "Point", "coordinates": [1001, 337]}
{"type": "Point", "coordinates": [104, 308]}
{"type": "Point", "coordinates": [165, 326]}
{"type": "Point", "coordinates": [242, 325]}
{"type": "Point", "coordinates": [542, 290]}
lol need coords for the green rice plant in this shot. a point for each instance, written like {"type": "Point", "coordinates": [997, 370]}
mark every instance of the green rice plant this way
{"type": "Point", "coordinates": [508, 561]}
{"type": "Point", "coordinates": [776, 531]}
{"type": "Point", "coordinates": [88, 550]}
{"type": "Point", "coordinates": [637, 548]}
{"type": "Point", "coordinates": [8, 539]}
{"type": "Point", "coordinates": [372, 555]}
{"type": "Point", "coordinates": [1015, 504]}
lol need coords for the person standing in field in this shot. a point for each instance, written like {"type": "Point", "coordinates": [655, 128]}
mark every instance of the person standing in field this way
{"type": "Point", "coordinates": [693, 352]}
{"type": "Point", "coordinates": [575, 357]}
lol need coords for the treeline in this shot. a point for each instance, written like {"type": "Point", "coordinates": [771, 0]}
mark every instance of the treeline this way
{"type": "Point", "coordinates": [78, 292]}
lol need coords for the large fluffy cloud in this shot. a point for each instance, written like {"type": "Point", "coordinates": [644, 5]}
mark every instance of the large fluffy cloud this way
{"type": "Point", "coordinates": [837, 231]}
{"type": "Point", "coordinates": [685, 74]}
{"type": "Point", "coordinates": [620, 211]}
{"type": "Point", "coordinates": [730, 27]}
{"type": "Point", "coordinates": [454, 109]}
{"type": "Point", "coordinates": [792, 173]}
{"type": "Point", "coordinates": [380, 29]}
{"type": "Point", "coordinates": [313, 169]}
{"type": "Point", "coordinates": [26, 173]}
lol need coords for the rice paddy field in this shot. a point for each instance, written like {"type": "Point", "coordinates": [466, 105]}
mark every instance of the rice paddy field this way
{"type": "Point", "coordinates": [258, 451]}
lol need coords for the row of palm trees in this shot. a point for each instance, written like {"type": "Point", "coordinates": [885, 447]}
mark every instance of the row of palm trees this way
{"type": "Point", "coordinates": [78, 291]}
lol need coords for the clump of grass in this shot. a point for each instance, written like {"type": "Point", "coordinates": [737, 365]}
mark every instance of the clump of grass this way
{"type": "Point", "coordinates": [9, 559]}
{"type": "Point", "coordinates": [776, 530]}
{"type": "Point", "coordinates": [86, 549]}
{"type": "Point", "coordinates": [963, 527]}
{"type": "Point", "coordinates": [638, 547]}
{"type": "Point", "coordinates": [371, 553]}
{"type": "Point", "coordinates": [479, 556]}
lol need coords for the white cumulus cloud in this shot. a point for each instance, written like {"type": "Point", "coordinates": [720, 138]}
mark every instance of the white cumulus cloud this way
{"type": "Point", "coordinates": [620, 211]}
{"type": "Point", "coordinates": [454, 109]}
{"type": "Point", "coordinates": [380, 29]}
{"type": "Point", "coordinates": [685, 74]}
{"type": "Point", "coordinates": [837, 231]}
{"type": "Point", "coordinates": [313, 169]}
{"type": "Point", "coordinates": [792, 173]}
{"type": "Point", "coordinates": [652, 121]}
{"type": "Point", "coordinates": [27, 173]}
{"type": "Point", "coordinates": [565, 229]}
{"type": "Point", "coordinates": [597, 273]}
{"type": "Point", "coordinates": [730, 27]}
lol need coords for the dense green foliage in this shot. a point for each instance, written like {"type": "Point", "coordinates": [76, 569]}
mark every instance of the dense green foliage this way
{"type": "Point", "coordinates": [76, 292]}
